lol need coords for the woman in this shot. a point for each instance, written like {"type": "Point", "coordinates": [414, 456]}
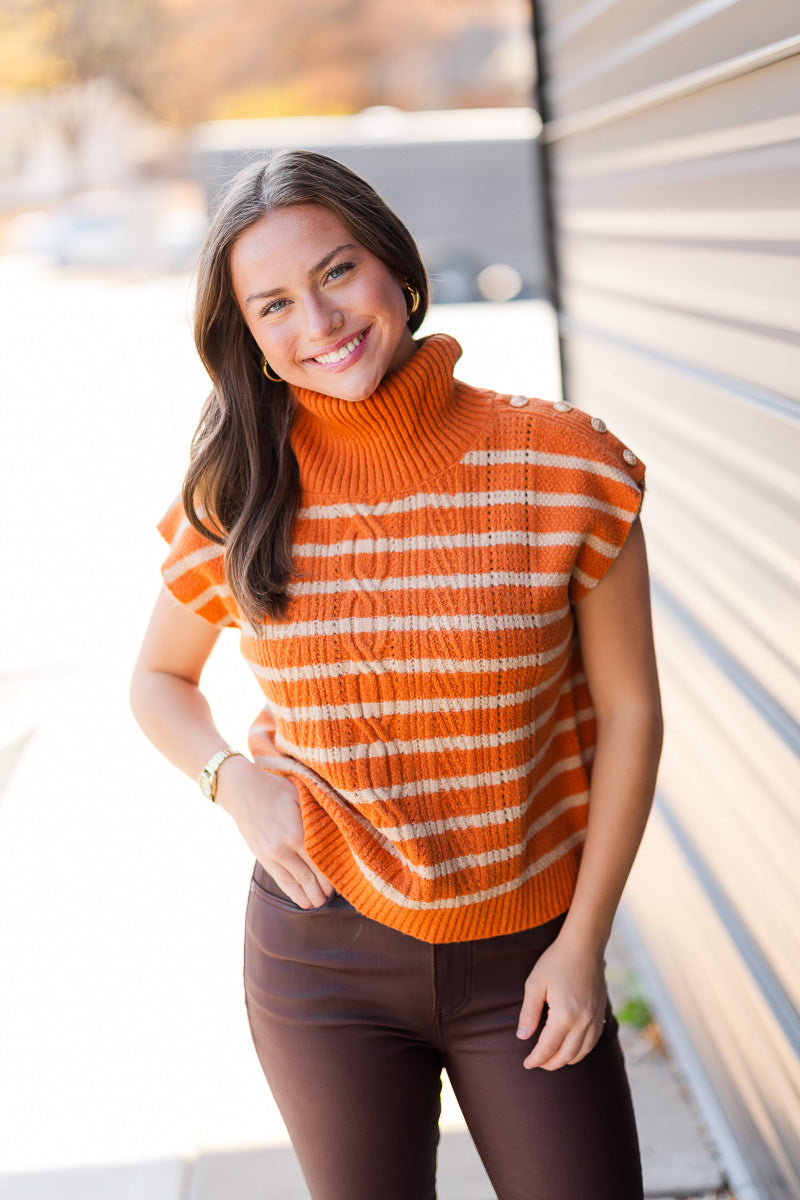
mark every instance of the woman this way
{"type": "Point", "coordinates": [443, 593]}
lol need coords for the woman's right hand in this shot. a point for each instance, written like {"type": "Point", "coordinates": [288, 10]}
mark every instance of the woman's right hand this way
{"type": "Point", "coordinates": [266, 809]}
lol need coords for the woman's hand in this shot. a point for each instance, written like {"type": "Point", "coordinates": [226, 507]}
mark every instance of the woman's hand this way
{"type": "Point", "coordinates": [266, 808]}
{"type": "Point", "coordinates": [174, 714]}
{"type": "Point", "coordinates": [570, 980]}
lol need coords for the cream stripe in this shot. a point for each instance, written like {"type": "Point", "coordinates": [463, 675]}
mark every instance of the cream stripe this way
{"type": "Point", "coordinates": [285, 766]}
{"type": "Point", "coordinates": [409, 789]}
{"type": "Point", "coordinates": [411, 623]}
{"type": "Point", "coordinates": [456, 541]}
{"type": "Point", "coordinates": [386, 749]}
{"type": "Point", "coordinates": [412, 788]}
{"type": "Point", "coordinates": [404, 708]}
{"type": "Point", "coordinates": [427, 542]}
{"type": "Point", "coordinates": [518, 537]}
{"type": "Point", "coordinates": [467, 500]}
{"type": "Point", "coordinates": [190, 561]}
{"type": "Point", "coordinates": [296, 713]}
{"type": "Point", "coordinates": [399, 666]}
{"type": "Point", "coordinates": [571, 462]}
{"type": "Point", "coordinates": [214, 592]}
{"type": "Point", "coordinates": [486, 858]}
{"type": "Point", "coordinates": [524, 579]}
{"type": "Point", "coordinates": [290, 713]}
{"type": "Point", "coordinates": [384, 708]}
{"type": "Point", "coordinates": [588, 581]}
{"type": "Point", "coordinates": [599, 544]}
{"type": "Point", "coordinates": [535, 868]}
{"type": "Point", "coordinates": [464, 822]}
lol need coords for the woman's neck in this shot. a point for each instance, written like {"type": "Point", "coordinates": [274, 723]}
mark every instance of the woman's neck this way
{"type": "Point", "coordinates": [417, 423]}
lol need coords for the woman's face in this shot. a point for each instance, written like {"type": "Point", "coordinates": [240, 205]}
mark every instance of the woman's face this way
{"type": "Point", "coordinates": [326, 313]}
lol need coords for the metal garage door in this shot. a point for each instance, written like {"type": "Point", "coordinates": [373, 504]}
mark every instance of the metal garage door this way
{"type": "Point", "coordinates": [672, 140]}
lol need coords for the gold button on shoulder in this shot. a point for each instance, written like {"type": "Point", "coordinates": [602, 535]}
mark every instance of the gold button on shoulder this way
{"type": "Point", "coordinates": [518, 401]}
{"type": "Point", "coordinates": [630, 457]}
{"type": "Point", "coordinates": [562, 406]}
{"type": "Point", "coordinates": [599, 424]}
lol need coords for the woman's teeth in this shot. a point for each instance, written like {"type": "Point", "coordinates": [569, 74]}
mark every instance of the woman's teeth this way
{"type": "Point", "coordinates": [342, 352]}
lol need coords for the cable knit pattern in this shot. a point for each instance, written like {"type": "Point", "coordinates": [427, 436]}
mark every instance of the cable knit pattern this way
{"type": "Point", "coordinates": [425, 692]}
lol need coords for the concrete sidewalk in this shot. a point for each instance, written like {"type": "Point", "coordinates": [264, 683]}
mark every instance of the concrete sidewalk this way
{"type": "Point", "coordinates": [126, 1069]}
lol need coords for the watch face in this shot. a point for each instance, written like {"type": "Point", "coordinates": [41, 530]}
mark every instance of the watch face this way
{"type": "Point", "coordinates": [205, 785]}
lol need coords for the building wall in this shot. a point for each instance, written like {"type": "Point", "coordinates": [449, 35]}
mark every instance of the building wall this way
{"type": "Point", "coordinates": [672, 135]}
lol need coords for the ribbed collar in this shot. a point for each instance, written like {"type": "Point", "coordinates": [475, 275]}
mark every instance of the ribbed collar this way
{"type": "Point", "coordinates": [418, 422]}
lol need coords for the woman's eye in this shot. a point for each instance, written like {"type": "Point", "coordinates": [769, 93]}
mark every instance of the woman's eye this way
{"type": "Point", "coordinates": [274, 306]}
{"type": "Point", "coordinates": [338, 271]}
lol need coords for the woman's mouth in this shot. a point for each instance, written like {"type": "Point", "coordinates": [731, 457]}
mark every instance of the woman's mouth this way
{"type": "Point", "coordinates": [345, 353]}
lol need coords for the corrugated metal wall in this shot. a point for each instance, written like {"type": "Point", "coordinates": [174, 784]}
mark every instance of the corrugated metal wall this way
{"type": "Point", "coordinates": [672, 143]}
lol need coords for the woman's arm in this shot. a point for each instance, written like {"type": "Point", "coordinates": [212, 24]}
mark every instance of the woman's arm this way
{"type": "Point", "coordinates": [616, 640]}
{"type": "Point", "coordinates": [174, 714]}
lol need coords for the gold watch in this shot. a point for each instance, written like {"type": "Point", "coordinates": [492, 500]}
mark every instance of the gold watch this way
{"type": "Point", "coordinates": [208, 776]}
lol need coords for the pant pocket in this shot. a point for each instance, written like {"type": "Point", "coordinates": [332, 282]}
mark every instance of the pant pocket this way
{"type": "Point", "coordinates": [264, 887]}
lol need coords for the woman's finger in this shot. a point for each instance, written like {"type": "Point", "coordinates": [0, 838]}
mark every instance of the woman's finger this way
{"type": "Point", "coordinates": [296, 879]}
{"type": "Point", "coordinates": [549, 1042]}
{"type": "Point", "coordinates": [308, 886]}
{"type": "Point", "coordinates": [590, 1040]}
{"type": "Point", "coordinates": [530, 1014]}
{"type": "Point", "coordinates": [325, 884]}
{"type": "Point", "coordinates": [563, 1042]}
{"type": "Point", "coordinates": [568, 1052]}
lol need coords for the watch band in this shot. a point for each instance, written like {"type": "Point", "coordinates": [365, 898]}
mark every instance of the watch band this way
{"type": "Point", "coordinates": [208, 776]}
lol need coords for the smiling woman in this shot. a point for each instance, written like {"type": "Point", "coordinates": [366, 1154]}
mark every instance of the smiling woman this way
{"type": "Point", "coordinates": [269, 303]}
{"type": "Point", "coordinates": [317, 311]}
{"type": "Point", "coordinates": [443, 594]}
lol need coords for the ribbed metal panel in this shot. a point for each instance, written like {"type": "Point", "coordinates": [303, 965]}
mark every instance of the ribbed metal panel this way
{"type": "Point", "coordinates": [672, 134]}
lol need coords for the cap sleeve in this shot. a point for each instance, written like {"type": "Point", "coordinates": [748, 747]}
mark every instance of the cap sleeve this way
{"type": "Point", "coordinates": [194, 572]}
{"type": "Point", "coordinates": [613, 494]}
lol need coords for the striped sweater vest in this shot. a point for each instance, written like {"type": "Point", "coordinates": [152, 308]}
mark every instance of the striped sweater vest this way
{"type": "Point", "coordinates": [425, 692]}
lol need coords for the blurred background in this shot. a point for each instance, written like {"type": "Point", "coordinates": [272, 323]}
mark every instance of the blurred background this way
{"type": "Point", "coordinates": [121, 119]}
{"type": "Point", "coordinates": [606, 196]}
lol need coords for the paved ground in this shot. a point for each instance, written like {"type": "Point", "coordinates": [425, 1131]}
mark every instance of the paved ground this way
{"type": "Point", "coordinates": [125, 1065]}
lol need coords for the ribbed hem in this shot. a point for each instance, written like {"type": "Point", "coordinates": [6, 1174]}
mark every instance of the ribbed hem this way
{"type": "Point", "coordinates": [539, 899]}
{"type": "Point", "coordinates": [417, 423]}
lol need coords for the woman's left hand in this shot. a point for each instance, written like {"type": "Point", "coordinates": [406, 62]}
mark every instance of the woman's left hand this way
{"type": "Point", "coordinates": [570, 980]}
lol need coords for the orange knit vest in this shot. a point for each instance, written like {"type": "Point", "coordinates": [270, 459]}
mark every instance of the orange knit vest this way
{"type": "Point", "coordinates": [425, 692]}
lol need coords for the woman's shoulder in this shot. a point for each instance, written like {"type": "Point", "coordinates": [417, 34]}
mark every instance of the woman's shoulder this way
{"type": "Point", "coordinates": [559, 429]}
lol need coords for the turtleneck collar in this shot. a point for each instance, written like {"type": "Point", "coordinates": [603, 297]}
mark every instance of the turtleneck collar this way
{"type": "Point", "coordinates": [418, 422]}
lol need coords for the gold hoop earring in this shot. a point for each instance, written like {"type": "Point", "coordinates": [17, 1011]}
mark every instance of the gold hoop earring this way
{"type": "Point", "coordinates": [265, 369]}
{"type": "Point", "coordinates": [414, 296]}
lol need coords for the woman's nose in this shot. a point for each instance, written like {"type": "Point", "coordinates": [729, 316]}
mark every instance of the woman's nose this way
{"type": "Point", "coordinates": [322, 318]}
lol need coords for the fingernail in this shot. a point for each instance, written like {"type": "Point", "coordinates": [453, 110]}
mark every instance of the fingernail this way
{"type": "Point", "coordinates": [523, 1033]}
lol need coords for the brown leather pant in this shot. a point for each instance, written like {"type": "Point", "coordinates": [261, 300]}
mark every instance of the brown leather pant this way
{"type": "Point", "coordinates": [353, 1023]}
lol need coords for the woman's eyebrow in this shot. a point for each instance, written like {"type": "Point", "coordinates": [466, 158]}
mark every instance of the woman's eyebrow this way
{"type": "Point", "coordinates": [320, 266]}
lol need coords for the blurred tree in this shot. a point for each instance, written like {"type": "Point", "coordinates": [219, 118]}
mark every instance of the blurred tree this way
{"type": "Point", "coordinates": [190, 60]}
{"type": "Point", "coordinates": [51, 43]}
{"type": "Point", "coordinates": [58, 50]}
{"type": "Point", "coordinates": [26, 62]}
{"type": "Point", "coordinates": [323, 56]}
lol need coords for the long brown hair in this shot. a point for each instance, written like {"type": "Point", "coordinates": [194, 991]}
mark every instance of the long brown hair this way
{"type": "Point", "coordinates": [242, 488]}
